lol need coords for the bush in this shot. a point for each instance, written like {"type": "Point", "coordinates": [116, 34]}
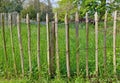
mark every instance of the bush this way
{"type": "Point", "coordinates": [29, 10]}
{"type": "Point", "coordinates": [32, 11]}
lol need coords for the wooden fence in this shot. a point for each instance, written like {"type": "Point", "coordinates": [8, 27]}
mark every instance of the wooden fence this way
{"type": "Point", "coordinates": [52, 45]}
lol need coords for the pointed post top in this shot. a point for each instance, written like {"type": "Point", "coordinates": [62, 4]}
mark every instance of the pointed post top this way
{"type": "Point", "coordinates": [66, 18]}
{"type": "Point", "coordinates": [96, 16]}
{"type": "Point", "coordinates": [27, 18]}
{"type": "Point", "coordinates": [10, 16]}
{"type": "Point", "coordinates": [77, 17]}
{"type": "Point", "coordinates": [18, 18]}
{"type": "Point", "coordinates": [56, 17]}
{"type": "Point", "coordinates": [106, 16]}
{"type": "Point", "coordinates": [47, 17]}
{"type": "Point", "coordinates": [115, 15]}
{"type": "Point", "coordinates": [86, 17]}
{"type": "Point", "coordinates": [38, 17]}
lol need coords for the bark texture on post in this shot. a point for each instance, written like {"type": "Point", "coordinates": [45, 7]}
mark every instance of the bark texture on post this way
{"type": "Point", "coordinates": [12, 44]}
{"type": "Point", "coordinates": [96, 43]}
{"type": "Point", "coordinates": [87, 34]}
{"type": "Point", "coordinates": [29, 43]}
{"type": "Point", "coordinates": [52, 55]}
{"type": "Point", "coordinates": [48, 43]}
{"type": "Point", "coordinates": [67, 46]}
{"type": "Point", "coordinates": [114, 42]}
{"type": "Point", "coordinates": [105, 30]}
{"type": "Point", "coordinates": [77, 42]}
{"type": "Point", "coordinates": [38, 42]}
{"type": "Point", "coordinates": [57, 49]}
{"type": "Point", "coordinates": [20, 44]}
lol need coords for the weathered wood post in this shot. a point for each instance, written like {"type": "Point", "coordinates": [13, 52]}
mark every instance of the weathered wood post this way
{"type": "Point", "coordinates": [29, 43]}
{"type": "Point", "coordinates": [77, 42]}
{"type": "Point", "coordinates": [67, 46]}
{"type": "Point", "coordinates": [4, 45]}
{"type": "Point", "coordinates": [104, 55]}
{"type": "Point", "coordinates": [14, 19]}
{"type": "Point", "coordinates": [38, 42]}
{"type": "Point", "coordinates": [20, 44]}
{"type": "Point", "coordinates": [52, 55]}
{"type": "Point", "coordinates": [96, 43]}
{"type": "Point", "coordinates": [48, 43]}
{"type": "Point", "coordinates": [114, 43]}
{"type": "Point", "coordinates": [12, 44]}
{"type": "Point", "coordinates": [87, 39]}
{"type": "Point", "coordinates": [6, 19]}
{"type": "Point", "coordinates": [57, 49]}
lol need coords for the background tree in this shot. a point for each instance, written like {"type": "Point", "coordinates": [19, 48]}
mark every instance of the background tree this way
{"type": "Point", "coordinates": [37, 5]}
{"type": "Point", "coordinates": [17, 5]}
{"type": "Point", "coordinates": [90, 6]}
{"type": "Point", "coordinates": [29, 10]}
{"type": "Point", "coordinates": [65, 6]}
{"type": "Point", "coordinates": [32, 10]}
{"type": "Point", "coordinates": [11, 5]}
{"type": "Point", "coordinates": [50, 9]}
{"type": "Point", "coordinates": [5, 5]}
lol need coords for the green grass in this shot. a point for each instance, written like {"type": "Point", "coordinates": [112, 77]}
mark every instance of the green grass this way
{"type": "Point", "coordinates": [61, 38]}
{"type": "Point", "coordinates": [14, 81]}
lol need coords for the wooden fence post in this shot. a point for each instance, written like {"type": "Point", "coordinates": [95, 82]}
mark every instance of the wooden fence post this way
{"type": "Point", "coordinates": [105, 29]}
{"type": "Point", "coordinates": [96, 43]}
{"type": "Point", "coordinates": [87, 39]}
{"type": "Point", "coordinates": [67, 46]}
{"type": "Point", "coordinates": [38, 42]}
{"type": "Point", "coordinates": [12, 44]}
{"type": "Point", "coordinates": [48, 43]}
{"type": "Point", "coordinates": [29, 43]}
{"type": "Point", "coordinates": [57, 49]}
{"type": "Point", "coordinates": [14, 15]}
{"type": "Point", "coordinates": [4, 45]}
{"type": "Point", "coordinates": [114, 42]}
{"type": "Point", "coordinates": [52, 45]}
{"type": "Point", "coordinates": [20, 44]}
{"type": "Point", "coordinates": [77, 42]}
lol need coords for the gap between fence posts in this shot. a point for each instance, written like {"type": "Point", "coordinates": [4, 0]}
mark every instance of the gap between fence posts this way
{"type": "Point", "coordinates": [96, 43]}
{"type": "Point", "coordinates": [57, 49]}
{"type": "Point", "coordinates": [4, 45]}
{"type": "Point", "coordinates": [114, 43]}
{"type": "Point", "coordinates": [38, 43]}
{"type": "Point", "coordinates": [87, 39]}
{"type": "Point", "coordinates": [29, 43]}
{"type": "Point", "coordinates": [12, 44]}
{"type": "Point", "coordinates": [104, 55]}
{"type": "Point", "coordinates": [67, 46]}
{"type": "Point", "coordinates": [77, 42]}
{"type": "Point", "coordinates": [48, 43]}
{"type": "Point", "coordinates": [20, 44]}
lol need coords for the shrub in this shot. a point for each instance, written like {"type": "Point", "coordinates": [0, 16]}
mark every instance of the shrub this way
{"type": "Point", "coordinates": [29, 10]}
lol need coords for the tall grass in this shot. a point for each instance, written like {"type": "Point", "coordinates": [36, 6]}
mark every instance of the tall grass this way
{"type": "Point", "coordinates": [61, 42]}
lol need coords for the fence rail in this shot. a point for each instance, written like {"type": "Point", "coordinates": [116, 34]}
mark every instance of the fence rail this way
{"type": "Point", "coordinates": [53, 46]}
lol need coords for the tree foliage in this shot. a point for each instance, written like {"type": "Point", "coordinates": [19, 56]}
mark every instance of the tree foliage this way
{"type": "Point", "coordinates": [31, 10]}
{"type": "Point", "coordinates": [11, 5]}
{"type": "Point", "coordinates": [65, 6]}
{"type": "Point", "coordinates": [90, 6]}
